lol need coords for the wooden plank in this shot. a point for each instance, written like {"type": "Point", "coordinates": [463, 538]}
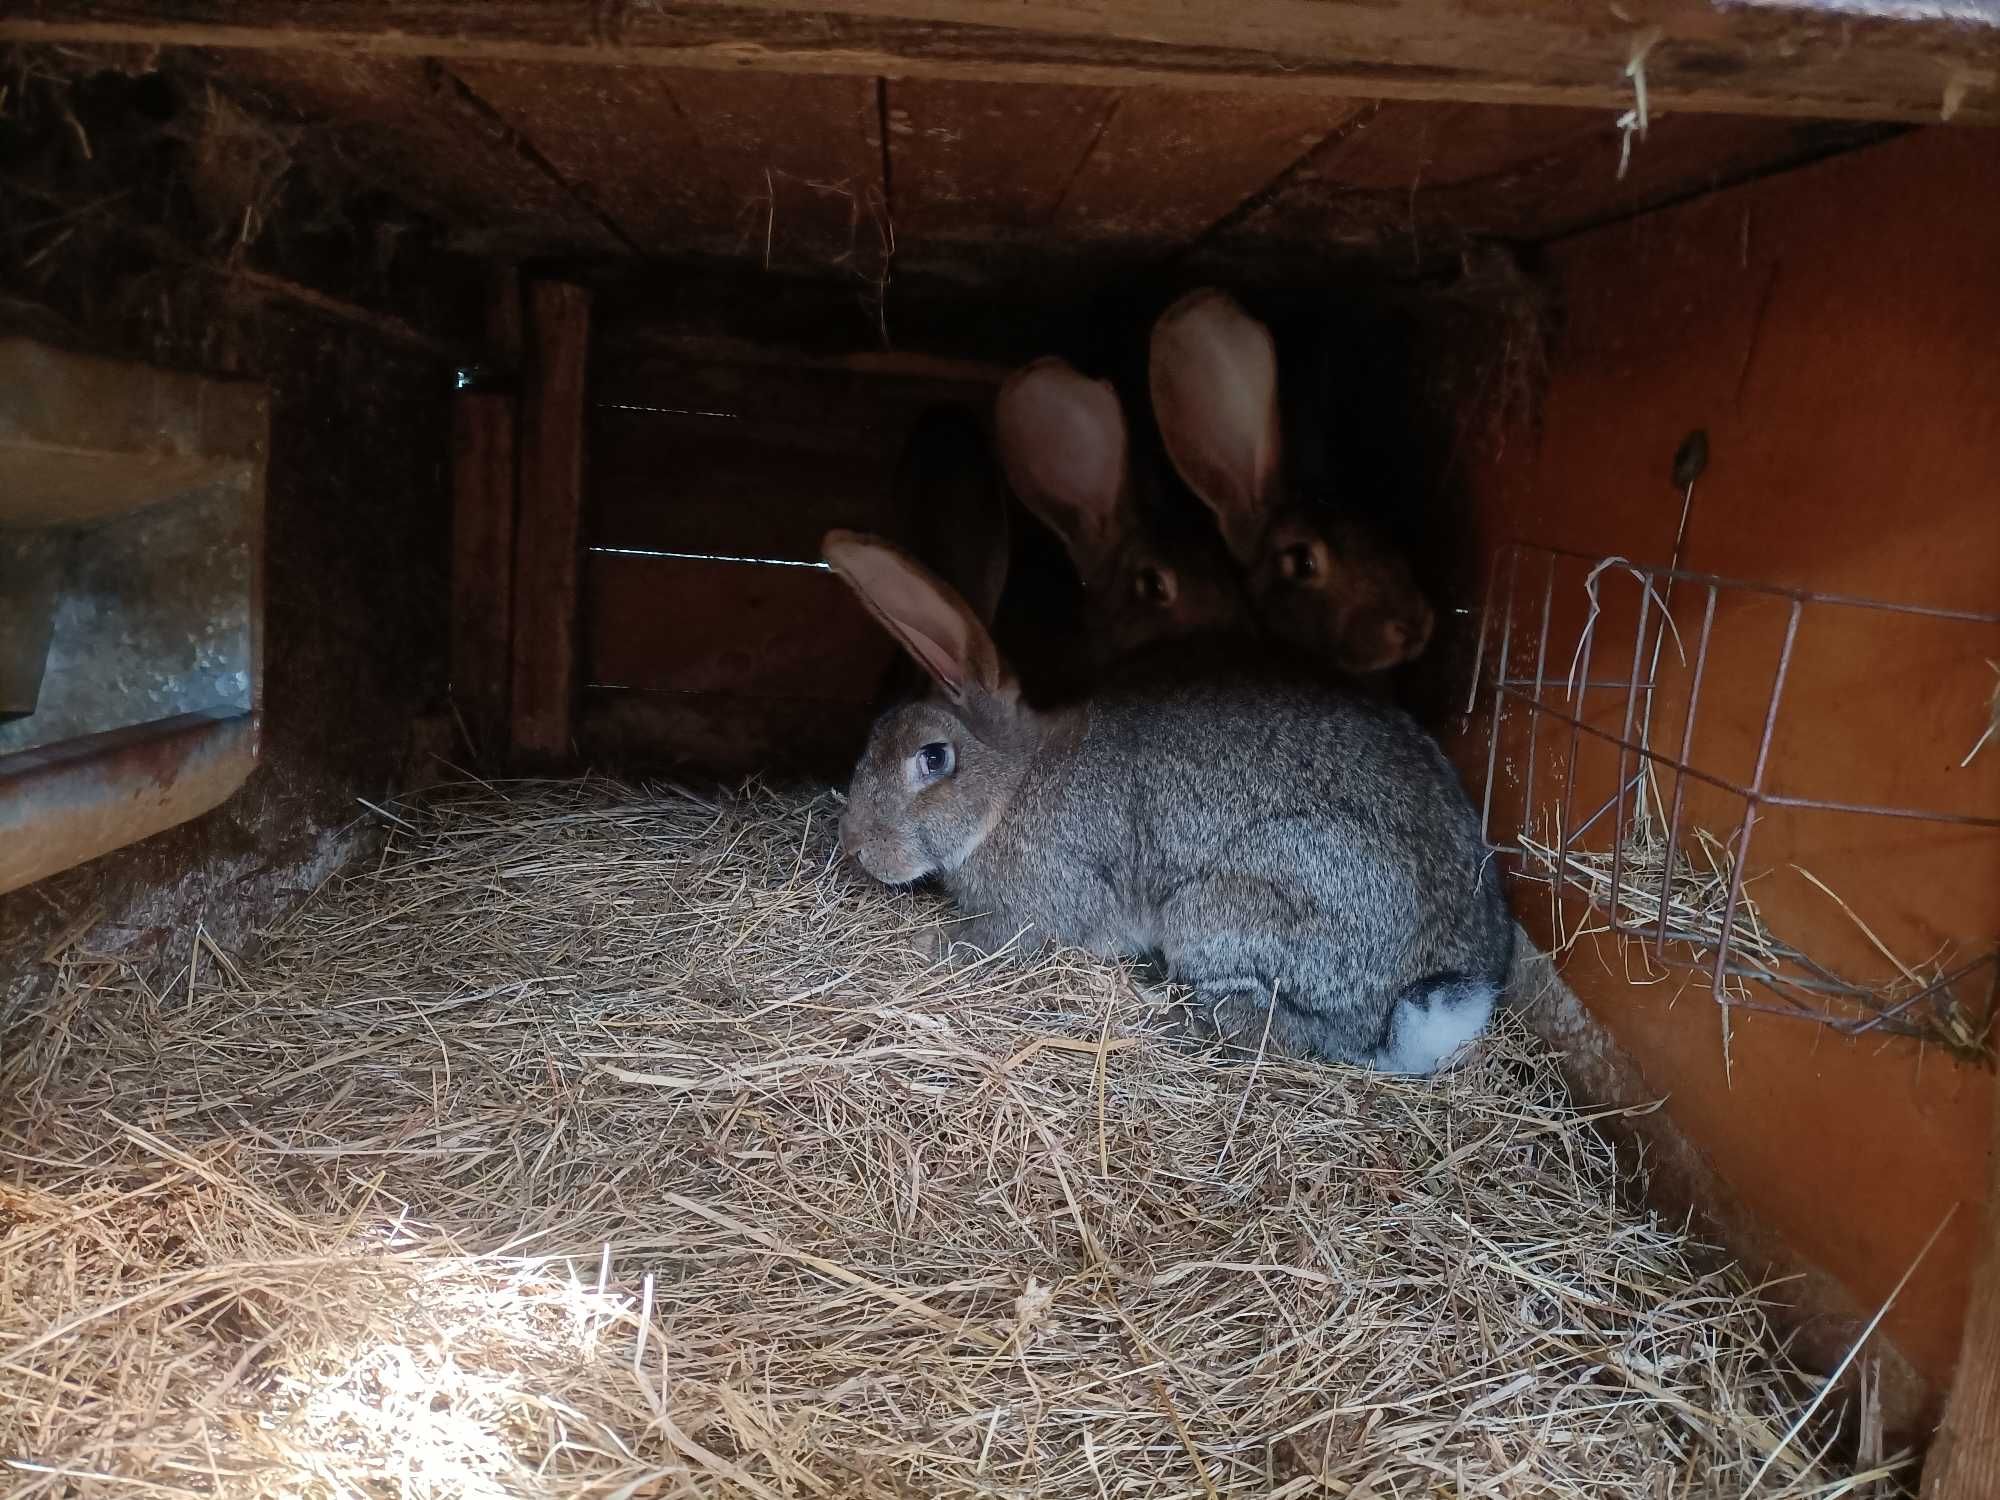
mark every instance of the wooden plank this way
{"type": "Point", "coordinates": [619, 138]}
{"type": "Point", "coordinates": [960, 161]}
{"type": "Point", "coordinates": [549, 526]}
{"type": "Point", "coordinates": [482, 563]}
{"type": "Point", "coordinates": [1170, 163]}
{"type": "Point", "coordinates": [783, 170]}
{"type": "Point", "coordinates": [1416, 184]}
{"type": "Point", "coordinates": [1964, 1461]}
{"type": "Point", "coordinates": [505, 335]}
{"type": "Point", "coordinates": [797, 164]}
{"type": "Point", "coordinates": [745, 629]}
{"type": "Point", "coordinates": [1813, 59]}
{"type": "Point", "coordinates": [406, 123]}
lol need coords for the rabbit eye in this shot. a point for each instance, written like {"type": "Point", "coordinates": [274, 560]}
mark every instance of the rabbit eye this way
{"type": "Point", "coordinates": [1299, 563]}
{"type": "Point", "coordinates": [1153, 586]}
{"type": "Point", "coordinates": [934, 760]}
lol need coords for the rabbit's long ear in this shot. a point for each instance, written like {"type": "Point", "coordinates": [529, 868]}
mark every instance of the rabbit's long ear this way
{"type": "Point", "coordinates": [1214, 379]}
{"type": "Point", "coordinates": [924, 613]}
{"type": "Point", "coordinates": [1062, 443]}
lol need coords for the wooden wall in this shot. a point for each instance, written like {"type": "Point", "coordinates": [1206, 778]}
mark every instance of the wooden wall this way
{"type": "Point", "coordinates": [1834, 331]}
{"type": "Point", "coordinates": [711, 634]}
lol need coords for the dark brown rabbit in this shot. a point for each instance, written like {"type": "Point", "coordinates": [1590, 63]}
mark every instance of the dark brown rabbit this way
{"type": "Point", "coordinates": [1064, 445]}
{"type": "Point", "coordinates": [1319, 580]}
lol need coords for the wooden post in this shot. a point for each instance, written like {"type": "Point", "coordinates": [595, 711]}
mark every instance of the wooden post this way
{"type": "Point", "coordinates": [549, 533]}
{"type": "Point", "coordinates": [1964, 1461]}
{"type": "Point", "coordinates": [482, 564]}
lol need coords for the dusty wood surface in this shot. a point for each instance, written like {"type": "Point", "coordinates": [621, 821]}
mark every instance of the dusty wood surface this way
{"type": "Point", "coordinates": [410, 124]}
{"type": "Point", "coordinates": [784, 171]}
{"type": "Point", "coordinates": [1753, 59]}
{"type": "Point", "coordinates": [548, 529]}
{"type": "Point", "coordinates": [482, 563]}
{"type": "Point", "coordinates": [873, 181]}
{"type": "Point", "coordinates": [1964, 1462]}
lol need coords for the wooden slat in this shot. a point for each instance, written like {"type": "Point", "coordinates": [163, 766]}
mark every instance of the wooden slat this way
{"type": "Point", "coordinates": [482, 562]}
{"type": "Point", "coordinates": [549, 525]}
{"type": "Point", "coordinates": [1813, 59]}
{"type": "Point", "coordinates": [665, 624]}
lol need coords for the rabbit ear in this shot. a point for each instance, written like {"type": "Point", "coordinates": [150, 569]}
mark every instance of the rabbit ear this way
{"type": "Point", "coordinates": [1214, 379]}
{"type": "Point", "coordinates": [923, 612]}
{"type": "Point", "coordinates": [1062, 442]}
{"type": "Point", "coordinates": [949, 496]}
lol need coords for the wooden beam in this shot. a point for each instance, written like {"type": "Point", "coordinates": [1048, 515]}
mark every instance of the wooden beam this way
{"type": "Point", "coordinates": [1964, 1461]}
{"type": "Point", "coordinates": [549, 528]}
{"type": "Point", "coordinates": [1815, 58]}
{"type": "Point", "coordinates": [482, 563]}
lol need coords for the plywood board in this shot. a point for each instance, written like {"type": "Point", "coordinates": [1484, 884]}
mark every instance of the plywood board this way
{"type": "Point", "coordinates": [1804, 60]}
{"type": "Point", "coordinates": [404, 120]}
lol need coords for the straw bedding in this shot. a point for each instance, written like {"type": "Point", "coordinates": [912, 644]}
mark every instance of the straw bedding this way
{"type": "Point", "coordinates": [603, 1141]}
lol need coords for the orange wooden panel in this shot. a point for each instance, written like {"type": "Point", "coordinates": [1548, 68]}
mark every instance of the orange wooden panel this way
{"type": "Point", "coordinates": [1831, 329]}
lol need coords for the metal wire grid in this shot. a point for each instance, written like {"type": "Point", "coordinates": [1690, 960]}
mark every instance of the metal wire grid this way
{"type": "Point", "coordinates": [1801, 988]}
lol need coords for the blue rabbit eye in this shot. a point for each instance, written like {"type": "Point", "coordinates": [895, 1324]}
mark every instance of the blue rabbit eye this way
{"type": "Point", "coordinates": [935, 760]}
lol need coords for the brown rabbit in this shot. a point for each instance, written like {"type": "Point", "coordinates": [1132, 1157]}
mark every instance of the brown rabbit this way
{"type": "Point", "coordinates": [1319, 581]}
{"type": "Point", "coordinates": [1064, 446]}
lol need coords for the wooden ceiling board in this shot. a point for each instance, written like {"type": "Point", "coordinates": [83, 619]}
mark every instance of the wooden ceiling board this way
{"type": "Point", "coordinates": [782, 169]}
{"type": "Point", "coordinates": [1412, 185]}
{"type": "Point", "coordinates": [970, 158]}
{"type": "Point", "coordinates": [1815, 59]}
{"type": "Point", "coordinates": [1169, 164]}
{"type": "Point", "coordinates": [405, 124]}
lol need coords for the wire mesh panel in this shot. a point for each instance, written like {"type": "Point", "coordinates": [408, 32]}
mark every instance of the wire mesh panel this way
{"type": "Point", "coordinates": [1793, 795]}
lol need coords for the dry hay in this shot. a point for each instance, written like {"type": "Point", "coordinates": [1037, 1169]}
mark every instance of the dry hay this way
{"type": "Point", "coordinates": [1649, 890]}
{"type": "Point", "coordinates": [609, 1143]}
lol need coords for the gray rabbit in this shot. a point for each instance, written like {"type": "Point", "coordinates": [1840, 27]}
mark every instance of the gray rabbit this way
{"type": "Point", "coordinates": [1303, 859]}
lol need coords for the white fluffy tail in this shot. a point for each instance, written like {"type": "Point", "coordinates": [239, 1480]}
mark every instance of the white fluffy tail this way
{"type": "Point", "coordinates": [1426, 1029]}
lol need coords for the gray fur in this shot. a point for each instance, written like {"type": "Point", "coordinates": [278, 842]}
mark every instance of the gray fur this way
{"type": "Point", "coordinates": [1263, 832]}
